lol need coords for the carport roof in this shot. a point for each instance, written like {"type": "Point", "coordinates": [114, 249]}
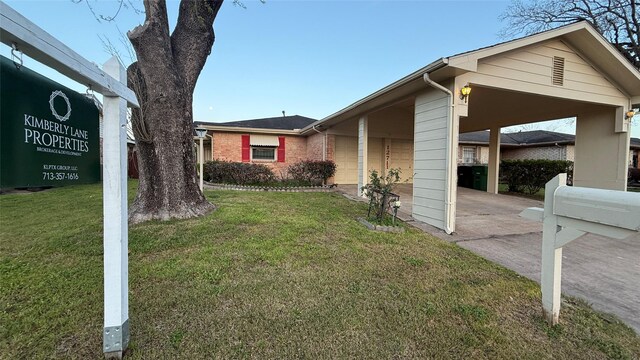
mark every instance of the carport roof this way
{"type": "Point", "coordinates": [580, 35]}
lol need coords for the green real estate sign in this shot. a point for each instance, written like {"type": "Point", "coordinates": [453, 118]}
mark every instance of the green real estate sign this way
{"type": "Point", "coordinates": [48, 133]}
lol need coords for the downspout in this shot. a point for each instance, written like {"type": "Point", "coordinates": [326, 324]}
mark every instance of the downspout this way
{"type": "Point", "coordinates": [324, 142]}
{"type": "Point", "coordinates": [211, 136]}
{"type": "Point", "coordinates": [448, 224]}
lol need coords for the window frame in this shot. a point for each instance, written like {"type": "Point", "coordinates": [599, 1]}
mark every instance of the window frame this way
{"type": "Point", "coordinates": [474, 157]}
{"type": "Point", "coordinates": [273, 148]}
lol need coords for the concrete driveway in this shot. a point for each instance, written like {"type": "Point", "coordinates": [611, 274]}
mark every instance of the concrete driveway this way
{"type": "Point", "coordinates": [603, 271]}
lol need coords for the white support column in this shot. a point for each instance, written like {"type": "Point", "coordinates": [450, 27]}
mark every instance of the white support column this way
{"type": "Point", "coordinates": [494, 160]}
{"type": "Point", "coordinates": [116, 236]}
{"type": "Point", "coordinates": [363, 149]}
{"type": "Point", "coordinates": [551, 273]}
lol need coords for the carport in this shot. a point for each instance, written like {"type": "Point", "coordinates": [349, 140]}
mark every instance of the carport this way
{"type": "Point", "coordinates": [571, 71]}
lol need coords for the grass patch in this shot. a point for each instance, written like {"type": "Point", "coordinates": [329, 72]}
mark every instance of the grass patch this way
{"type": "Point", "coordinates": [272, 275]}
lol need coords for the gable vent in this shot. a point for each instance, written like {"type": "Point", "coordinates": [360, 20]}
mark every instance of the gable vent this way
{"type": "Point", "coordinates": [558, 70]}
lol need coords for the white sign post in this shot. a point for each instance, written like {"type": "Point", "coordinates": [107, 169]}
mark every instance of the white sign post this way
{"type": "Point", "coordinates": [570, 212]}
{"type": "Point", "coordinates": [30, 39]}
{"type": "Point", "coordinates": [116, 231]}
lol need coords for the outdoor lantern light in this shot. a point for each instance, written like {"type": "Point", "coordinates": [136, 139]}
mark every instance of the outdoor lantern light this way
{"type": "Point", "coordinates": [630, 114]}
{"type": "Point", "coordinates": [201, 132]}
{"type": "Point", "coordinates": [396, 206]}
{"type": "Point", "coordinates": [464, 92]}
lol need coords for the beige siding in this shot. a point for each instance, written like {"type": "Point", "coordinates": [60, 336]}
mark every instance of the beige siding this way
{"type": "Point", "coordinates": [207, 151]}
{"type": "Point", "coordinates": [346, 159]}
{"type": "Point", "coordinates": [430, 163]}
{"type": "Point", "coordinates": [600, 153]}
{"type": "Point", "coordinates": [401, 157]}
{"type": "Point", "coordinates": [534, 65]}
{"type": "Point", "coordinates": [375, 155]}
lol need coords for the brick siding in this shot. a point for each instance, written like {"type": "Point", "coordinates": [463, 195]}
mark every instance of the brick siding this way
{"type": "Point", "coordinates": [542, 152]}
{"type": "Point", "coordinates": [227, 146]}
{"type": "Point", "coordinates": [314, 146]}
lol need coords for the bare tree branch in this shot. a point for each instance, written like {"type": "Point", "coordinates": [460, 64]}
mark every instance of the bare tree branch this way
{"type": "Point", "coordinates": [616, 20]}
{"type": "Point", "coordinates": [193, 38]}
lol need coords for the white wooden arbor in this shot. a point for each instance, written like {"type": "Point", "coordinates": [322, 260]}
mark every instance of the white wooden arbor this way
{"type": "Point", "coordinates": [31, 40]}
{"type": "Point", "coordinates": [569, 213]}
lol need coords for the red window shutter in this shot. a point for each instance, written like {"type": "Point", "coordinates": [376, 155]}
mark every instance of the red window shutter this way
{"type": "Point", "coordinates": [281, 149]}
{"type": "Point", "coordinates": [246, 148]}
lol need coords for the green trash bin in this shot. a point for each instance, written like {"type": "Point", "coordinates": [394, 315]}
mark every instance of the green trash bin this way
{"type": "Point", "coordinates": [480, 174]}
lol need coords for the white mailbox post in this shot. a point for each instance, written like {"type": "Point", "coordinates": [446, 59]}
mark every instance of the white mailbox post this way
{"type": "Point", "coordinates": [570, 212]}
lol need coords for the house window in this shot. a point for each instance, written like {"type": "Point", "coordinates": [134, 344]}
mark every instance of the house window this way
{"type": "Point", "coordinates": [263, 153]}
{"type": "Point", "coordinates": [468, 155]}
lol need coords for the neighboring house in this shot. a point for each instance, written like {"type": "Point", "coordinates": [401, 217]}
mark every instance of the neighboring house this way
{"type": "Point", "coordinates": [275, 142]}
{"type": "Point", "coordinates": [473, 147]}
{"type": "Point", "coordinates": [634, 153]}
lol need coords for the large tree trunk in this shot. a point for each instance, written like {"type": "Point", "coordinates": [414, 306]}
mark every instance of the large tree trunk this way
{"type": "Point", "coordinates": [164, 78]}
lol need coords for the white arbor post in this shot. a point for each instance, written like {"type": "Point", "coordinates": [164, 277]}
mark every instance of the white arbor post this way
{"type": "Point", "coordinates": [116, 235]}
{"type": "Point", "coordinates": [569, 213]}
{"type": "Point", "coordinates": [363, 148]}
{"type": "Point", "coordinates": [494, 160]}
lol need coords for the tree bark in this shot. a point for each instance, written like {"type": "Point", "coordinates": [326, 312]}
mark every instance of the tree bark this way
{"type": "Point", "coordinates": [164, 78]}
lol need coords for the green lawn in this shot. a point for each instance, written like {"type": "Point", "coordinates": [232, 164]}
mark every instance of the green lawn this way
{"type": "Point", "coordinates": [272, 275]}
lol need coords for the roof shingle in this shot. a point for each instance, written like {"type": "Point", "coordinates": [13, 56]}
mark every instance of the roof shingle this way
{"type": "Point", "coordinates": [526, 138]}
{"type": "Point", "coordinates": [292, 122]}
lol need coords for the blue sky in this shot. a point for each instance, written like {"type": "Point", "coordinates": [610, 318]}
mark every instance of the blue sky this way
{"type": "Point", "coordinates": [305, 57]}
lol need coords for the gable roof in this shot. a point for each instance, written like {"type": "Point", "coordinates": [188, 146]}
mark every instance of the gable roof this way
{"type": "Point", "coordinates": [526, 138]}
{"type": "Point", "coordinates": [293, 122]}
{"type": "Point", "coordinates": [581, 35]}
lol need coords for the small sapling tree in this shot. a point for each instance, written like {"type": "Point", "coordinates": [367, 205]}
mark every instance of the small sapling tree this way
{"type": "Point", "coordinates": [379, 191]}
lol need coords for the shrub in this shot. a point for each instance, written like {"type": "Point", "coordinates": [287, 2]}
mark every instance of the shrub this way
{"type": "Point", "coordinates": [529, 176]}
{"type": "Point", "coordinates": [312, 171]}
{"type": "Point", "coordinates": [228, 172]}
